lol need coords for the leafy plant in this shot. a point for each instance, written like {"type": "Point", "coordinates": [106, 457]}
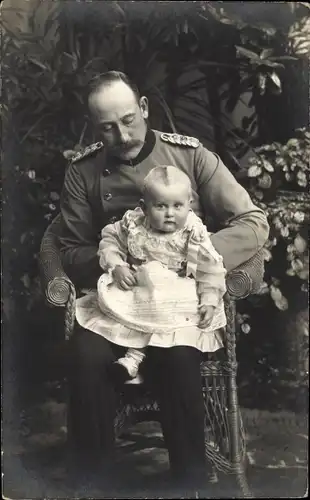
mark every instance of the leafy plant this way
{"type": "Point", "coordinates": [262, 45]}
{"type": "Point", "coordinates": [278, 179]}
{"type": "Point", "coordinates": [299, 36]}
{"type": "Point", "coordinates": [288, 232]}
{"type": "Point", "coordinates": [280, 166]}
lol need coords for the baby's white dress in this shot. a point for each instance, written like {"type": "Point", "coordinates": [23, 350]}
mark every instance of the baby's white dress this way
{"type": "Point", "coordinates": [188, 249]}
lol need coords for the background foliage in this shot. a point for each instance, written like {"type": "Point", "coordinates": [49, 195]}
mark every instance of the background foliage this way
{"type": "Point", "coordinates": [197, 63]}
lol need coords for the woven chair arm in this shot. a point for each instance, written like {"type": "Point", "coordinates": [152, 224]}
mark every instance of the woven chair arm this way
{"type": "Point", "coordinates": [55, 283]}
{"type": "Point", "coordinates": [246, 279]}
{"type": "Point", "coordinates": [241, 282]}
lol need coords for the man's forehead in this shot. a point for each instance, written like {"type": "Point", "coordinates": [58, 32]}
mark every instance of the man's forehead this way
{"type": "Point", "coordinates": [116, 97]}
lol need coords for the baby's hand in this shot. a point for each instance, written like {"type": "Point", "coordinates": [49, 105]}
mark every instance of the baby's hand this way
{"type": "Point", "coordinates": [124, 277]}
{"type": "Point", "coordinates": [206, 314]}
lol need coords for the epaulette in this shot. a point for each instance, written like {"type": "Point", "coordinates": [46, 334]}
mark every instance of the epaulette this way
{"type": "Point", "coordinates": [180, 140]}
{"type": "Point", "coordinates": [89, 150]}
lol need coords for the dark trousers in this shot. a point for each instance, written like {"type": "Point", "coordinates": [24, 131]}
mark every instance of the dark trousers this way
{"type": "Point", "coordinates": [174, 375]}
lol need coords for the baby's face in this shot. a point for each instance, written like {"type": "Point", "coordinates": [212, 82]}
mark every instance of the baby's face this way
{"type": "Point", "coordinates": [167, 207]}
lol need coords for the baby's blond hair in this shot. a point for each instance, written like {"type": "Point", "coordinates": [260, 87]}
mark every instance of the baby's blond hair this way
{"type": "Point", "coordinates": [166, 175]}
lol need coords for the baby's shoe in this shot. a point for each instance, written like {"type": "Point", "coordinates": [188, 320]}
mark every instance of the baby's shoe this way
{"type": "Point", "coordinates": [135, 381]}
{"type": "Point", "coordinates": [126, 369]}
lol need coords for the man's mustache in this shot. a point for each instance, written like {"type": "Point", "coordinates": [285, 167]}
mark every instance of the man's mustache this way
{"type": "Point", "coordinates": [127, 146]}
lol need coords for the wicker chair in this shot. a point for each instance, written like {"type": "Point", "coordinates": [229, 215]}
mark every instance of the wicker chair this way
{"type": "Point", "coordinates": [224, 433]}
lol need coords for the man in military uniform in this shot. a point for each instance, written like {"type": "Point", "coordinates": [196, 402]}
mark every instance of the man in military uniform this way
{"type": "Point", "coordinates": [100, 185]}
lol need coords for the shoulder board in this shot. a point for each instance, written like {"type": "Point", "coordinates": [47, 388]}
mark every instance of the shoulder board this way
{"type": "Point", "coordinates": [89, 150]}
{"type": "Point", "coordinates": [180, 140]}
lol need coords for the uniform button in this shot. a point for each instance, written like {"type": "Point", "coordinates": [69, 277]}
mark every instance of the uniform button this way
{"type": "Point", "coordinates": [113, 219]}
{"type": "Point", "coordinates": [107, 197]}
{"type": "Point", "coordinates": [106, 172]}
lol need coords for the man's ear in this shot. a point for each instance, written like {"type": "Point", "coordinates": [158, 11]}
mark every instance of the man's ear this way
{"type": "Point", "coordinates": [142, 204]}
{"type": "Point", "coordinates": [144, 106]}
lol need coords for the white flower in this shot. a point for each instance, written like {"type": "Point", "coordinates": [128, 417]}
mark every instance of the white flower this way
{"type": "Point", "coordinates": [297, 265]}
{"type": "Point", "coordinates": [277, 223]}
{"type": "Point", "coordinates": [300, 244]}
{"type": "Point", "coordinates": [245, 327]}
{"type": "Point", "coordinates": [290, 248]}
{"type": "Point", "coordinates": [301, 175]}
{"type": "Point", "coordinates": [284, 232]}
{"type": "Point", "coordinates": [274, 242]}
{"type": "Point", "coordinates": [299, 217]}
{"type": "Point", "coordinates": [303, 183]}
{"type": "Point", "coordinates": [31, 174]}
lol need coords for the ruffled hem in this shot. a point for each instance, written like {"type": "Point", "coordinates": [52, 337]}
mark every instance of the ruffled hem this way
{"type": "Point", "coordinates": [89, 316]}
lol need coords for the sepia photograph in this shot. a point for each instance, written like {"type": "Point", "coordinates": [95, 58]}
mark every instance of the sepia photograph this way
{"type": "Point", "coordinates": [155, 161]}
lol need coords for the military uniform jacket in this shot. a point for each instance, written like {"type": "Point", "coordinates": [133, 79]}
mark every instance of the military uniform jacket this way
{"type": "Point", "coordinates": [99, 189]}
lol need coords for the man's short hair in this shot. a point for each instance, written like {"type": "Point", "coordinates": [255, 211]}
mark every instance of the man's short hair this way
{"type": "Point", "coordinates": [166, 175]}
{"type": "Point", "coordinates": [110, 77]}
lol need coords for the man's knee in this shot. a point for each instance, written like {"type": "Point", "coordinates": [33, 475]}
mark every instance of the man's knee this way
{"type": "Point", "coordinates": [179, 360]}
{"type": "Point", "coordinates": [178, 355]}
{"type": "Point", "coordinates": [90, 350]}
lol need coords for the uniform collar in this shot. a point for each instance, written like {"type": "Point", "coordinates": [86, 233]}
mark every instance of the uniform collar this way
{"type": "Point", "coordinates": [146, 150]}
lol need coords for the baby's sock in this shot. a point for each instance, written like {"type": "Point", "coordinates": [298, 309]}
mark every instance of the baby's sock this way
{"type": "Point", "coordinates": [131, 361]}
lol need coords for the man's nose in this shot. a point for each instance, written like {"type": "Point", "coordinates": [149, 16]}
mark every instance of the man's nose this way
{"type": "Point", "coordinates": [122, 135]}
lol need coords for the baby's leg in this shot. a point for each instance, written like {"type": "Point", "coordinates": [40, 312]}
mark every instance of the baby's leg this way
{"type": "Point", "coordinates": [127, 368]}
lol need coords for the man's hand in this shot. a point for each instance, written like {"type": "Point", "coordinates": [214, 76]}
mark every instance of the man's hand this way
{"type": "Point", "coordinates": [124, 277]}
{"type": "Point", "coordinates": [206, 314]}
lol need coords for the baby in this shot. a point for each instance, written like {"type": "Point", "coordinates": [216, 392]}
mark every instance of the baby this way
{"type": "Point", "coordinates": [166, 230]}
